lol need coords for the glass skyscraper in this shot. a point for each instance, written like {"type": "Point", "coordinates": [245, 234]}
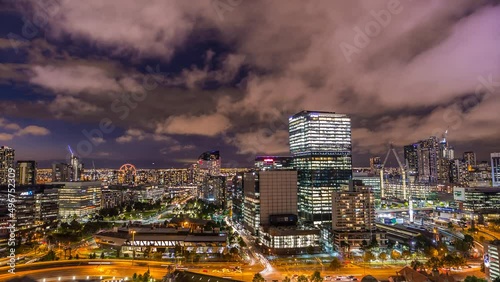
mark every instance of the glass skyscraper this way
{"type": "Point", "coordinates": [320, 143]}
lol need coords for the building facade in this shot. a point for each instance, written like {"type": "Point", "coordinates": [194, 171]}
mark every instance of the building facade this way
{"type": "Point", "coordinates": [353, 222]}
{"type": "Point", "coordinates": [6, 161]}
{"type": "Point", "coordinates": [491, 260]}
{"type": "Point", "coordinates": [495, 169]}
{"type": "Point", "coordinates": [78, 199]}
{"type": "Point", "coordinates": [26, 172]}
{"type": "Point", "coordinates": [320, 143]}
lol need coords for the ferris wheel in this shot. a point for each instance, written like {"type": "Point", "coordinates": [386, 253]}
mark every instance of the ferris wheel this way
{"type": "Point", "coordinates": [127, 173]}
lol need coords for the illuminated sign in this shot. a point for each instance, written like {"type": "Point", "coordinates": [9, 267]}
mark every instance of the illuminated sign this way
{"type": "Point", "coordinates": [28, 193]}
{"type": "Point", "coordinates": [268, 160]}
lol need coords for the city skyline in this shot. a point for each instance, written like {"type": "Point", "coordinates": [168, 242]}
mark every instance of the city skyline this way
{"type": "Point", "coordinates": [163, 83]}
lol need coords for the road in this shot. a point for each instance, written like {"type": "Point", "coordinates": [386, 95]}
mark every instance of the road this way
{"type": "Point", "coordinates": [124, 268]}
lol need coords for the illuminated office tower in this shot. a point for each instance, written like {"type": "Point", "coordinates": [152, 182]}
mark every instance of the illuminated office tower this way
{"type": "Point", "coordinates": [495, 169]}
{"type": "Point", "coordinates": [470, 159]}
{"type": "Point", "coordinates": [26, 172]}
{"type": "Point", "coordinates": [60, 172]}
{"type": "Point", "coordinates": [320, 143]}
{"type": "Point", "coordinates": [428, 156]}
{"type": "Point", "coordinates": [6, 162]}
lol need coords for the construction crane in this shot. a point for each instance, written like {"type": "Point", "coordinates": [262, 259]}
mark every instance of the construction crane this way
{"type": "Point", "coordinates": [403, 176]}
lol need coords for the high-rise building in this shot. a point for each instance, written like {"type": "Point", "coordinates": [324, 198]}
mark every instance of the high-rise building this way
{"type": "Point", "coordinates": [278, 197]}
{"type": "Point", "coordinates": [375, 163]}
{"type": "Point", "coordinates": [411, 158]}
{"type": "Point", "coordinates": [6, 162]}
{"type": "Point", "coordinates": [495, 169]}
{"type": "Point", "coordinates": [26, 172]}
{"type": "Point", "coordinates": [251, 202]}
{"type": "Point", "coordinates": [210, 162]}
{"type": "Point", "coordinates": [458, 171]}
{"type": "Point", "coordinates": [320, 143]}
{"type": "Point", "coordinates": [60, 172]}
{"type": "Point", "coordinates": [353, 222]}
{"type": "Point", "coordinates": [470, 159]}
{"type": "Point", "coordinates": [76, 168]}
{"type": "Point", "coordinates": [427, 153]}
{"type": "Point", "coordinates": [214, 189]}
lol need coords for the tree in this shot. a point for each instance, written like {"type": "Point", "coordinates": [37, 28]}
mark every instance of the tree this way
{"type": "Point", "coordinates": [102, 255]}
{"type": "Point", "coordinates": [474, 279]}
{"type": "Point", "coordinates": [406, 255]}
{"type": "Point", "coordinates": [395, 255]}
{"type": "Point", "coordinates": [302, 278]}
{"type": "Point", "coordinates": [368, 256]}
{"type": "Point", "coordinates": [258, 278]}
{"type": "Point", "coordinates": [335, 264]}
{"type": "Point", "coordinates": [316, 277]}
{"type": "Point", "coordinates": [431, 252]}
{"type": "Point", "coordinates": [77, 256]}
{"type": "Point", "coordinates": [382, 257]}
{"type": "Point", "coordinates": [450, 225]}
{"type": "Point", "coordinates": [434, 263]}
{"type": "Point", "coordinates": [416, 265]}
{"type": "Point", "coordinates": [287, 279]}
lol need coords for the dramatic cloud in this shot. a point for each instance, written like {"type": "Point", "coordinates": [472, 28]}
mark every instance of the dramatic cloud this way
{"type": "Point", "coordinates": [139, 135]}
{"type": "Point", "coordinates": [75, 79]}
{"type": "Point", "coordinates": [403, 70]}
{"type": "Point", "coordinates": [14, 130]}
{"type": "Point", "coordinates": [208, 125]}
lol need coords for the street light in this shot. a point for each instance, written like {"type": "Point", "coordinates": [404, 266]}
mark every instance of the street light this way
{"type": "Point", "coordinates": [133, 245]}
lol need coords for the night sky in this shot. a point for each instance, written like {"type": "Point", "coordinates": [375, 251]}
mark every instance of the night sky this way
{"type": "Point", "coordinates": [163, 81]}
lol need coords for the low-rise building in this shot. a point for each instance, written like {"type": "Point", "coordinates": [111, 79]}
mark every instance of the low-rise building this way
{"type": "Point", "coordinates": [289, 240]}
{"type": "Point", "coordinates": [141, 240]}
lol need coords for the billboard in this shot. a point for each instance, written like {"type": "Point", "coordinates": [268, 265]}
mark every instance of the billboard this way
{"type": "Point", "coordinates": [459, 193]}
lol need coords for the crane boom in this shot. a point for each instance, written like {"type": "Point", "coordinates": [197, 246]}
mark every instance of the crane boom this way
{"type": "Point", "coordinates": [403, 179]}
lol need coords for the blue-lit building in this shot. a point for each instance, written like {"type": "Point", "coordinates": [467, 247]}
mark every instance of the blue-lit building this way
{"type": "Point", "coordinates": [320, 143]}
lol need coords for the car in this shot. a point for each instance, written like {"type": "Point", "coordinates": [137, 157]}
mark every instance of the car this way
{"type": "Point", "coordinates": [350, 276]}
{"type": "Point", "coordinates": [338, 279]}
{"type": "Point", "coordinates": [354, 279]}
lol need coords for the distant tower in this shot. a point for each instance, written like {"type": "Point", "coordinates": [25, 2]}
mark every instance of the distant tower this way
{"type": "Point", "coordinates": [495, 169]}
{"type": "Point", "coordinates": [6, 162]}
{"type": "Point", "coordinates": [75, 166]}
{"type": "Point", "coordinates": [26, 172]}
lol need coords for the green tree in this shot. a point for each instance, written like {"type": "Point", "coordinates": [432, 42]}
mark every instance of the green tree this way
{"type": "Point", "coordinates": [474, 279]}
{"type": "Point", "coordinates": [316, 277]}
{"type": "Point", "coordinates": [434, 263]}
{"type": "Point", "coordinates": [382, 257]}
{"type": "Point", "coordinates": [335, 264]}
{"type": "Point", "coordinates": [302, 278]}
{"type": "Point", "coordinates": [102, 255]}
{"type": "Point", "coordinates": [258, 278]}
{"type": "Point", "coordinates": [368, 256]}
{"type": "Point", "coordinates": [395, 255]}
